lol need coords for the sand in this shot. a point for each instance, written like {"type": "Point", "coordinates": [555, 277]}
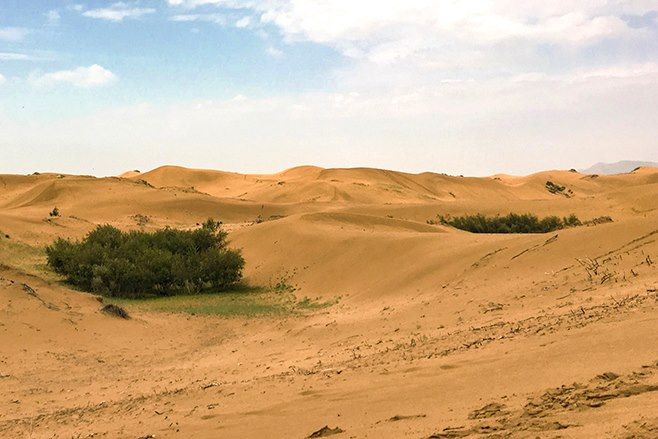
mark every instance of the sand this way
{"type": "Point", "coordinates": [434, 332]}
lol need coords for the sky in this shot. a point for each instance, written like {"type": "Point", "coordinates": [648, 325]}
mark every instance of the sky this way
{"type": "Point", "coordinates": [465, 87]}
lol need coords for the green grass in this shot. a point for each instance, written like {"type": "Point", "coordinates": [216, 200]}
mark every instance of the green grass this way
{"type": "Point", "coordinates": [24, 257]}
{"type": "Point", "coordinates": [313, 305]}
{"type": "Point", "coordinates": [244, 302]}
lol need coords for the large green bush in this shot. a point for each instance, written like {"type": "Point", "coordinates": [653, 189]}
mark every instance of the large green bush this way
{"type": "Point", "coordinates": [137, 264]}
{"type": "Point", "coordinates": [512, 223]}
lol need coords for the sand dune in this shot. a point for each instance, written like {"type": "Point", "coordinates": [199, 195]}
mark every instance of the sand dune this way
{"type": "Point", "coordinates": [433, 332]}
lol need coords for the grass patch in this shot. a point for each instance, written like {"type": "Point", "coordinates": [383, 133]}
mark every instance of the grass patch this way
{"type": "Point", "coordinates": [313, 304]}
{"type": "Point", "coordinates": [240, 302]}
{"type": "Point", "coordinates": [24, 257]}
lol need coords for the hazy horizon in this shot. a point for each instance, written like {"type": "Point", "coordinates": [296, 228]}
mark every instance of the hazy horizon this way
{"type": "Point", "coordinates": [98, 87]}
{"type": "Point", "coordinates": [206, 168]}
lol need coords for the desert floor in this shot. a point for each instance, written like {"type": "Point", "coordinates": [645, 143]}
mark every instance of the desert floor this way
{"type": "Point", "coordinates": [420, 330]}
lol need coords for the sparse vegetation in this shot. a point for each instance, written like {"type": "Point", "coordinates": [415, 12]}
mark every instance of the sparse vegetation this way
{"type": "Point", "coordinates": [558, 190]}
{"type": "Point", "coordinates": [511, 223]}
{"type": "Point", "coordinates": [241, 301]}
{"type": "Point", "coordinates": [310, 304]}
{"type": "Point", "coordinates": [282, 283]}
{"type": "Point", "coordinates": [598, 220]}
{"type": "Point", "coordinates": [144, 183]}
{"type": "Point", "coordinates": [54, 213]}
{"type": "Point", "coordinates": [141, 220]}
{"type": "Point", "coordinates": [115, 310]}
{"type": "Point", "coordinates": [141, 264]}
{"type": "Point", "coordinates": [26, 258]}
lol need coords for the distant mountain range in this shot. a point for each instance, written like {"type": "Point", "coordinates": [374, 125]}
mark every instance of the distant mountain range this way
{"type": "Point", "coordinates": [621, 167]}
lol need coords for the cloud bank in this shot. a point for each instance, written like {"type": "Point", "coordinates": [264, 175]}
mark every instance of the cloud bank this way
{"type": "Point", "coordinates": [84, 77]}
{"type": "Point", "coordinates": [469, 127]}
{"type": "Point", "coordinates": [118, 12]}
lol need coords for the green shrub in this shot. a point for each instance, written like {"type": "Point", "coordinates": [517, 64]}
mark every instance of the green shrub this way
{"type": "Point", "coordinates": [512, 223]}
{"type": "Point", "coordinates": [138, 264]}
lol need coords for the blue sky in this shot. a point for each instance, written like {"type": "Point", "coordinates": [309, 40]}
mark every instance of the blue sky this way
{"type": "Point", "coordinates": [448, 86]}
{"type": "Point", "coordinates": [153, 58]}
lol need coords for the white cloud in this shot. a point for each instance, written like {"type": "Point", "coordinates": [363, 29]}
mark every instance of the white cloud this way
{"type": "Point", "coordinates": [220, 19]}
{"type": "Point", "coordinates": [403, 43]}
{"type": "Point", "coordinates": [2, 79]}
{"type": "Point", "coordinates": [194, 3]}
{"type": "Point", "coordinates": [370, 22]}
{"type": "Point", "coordinates": [274, 52]}
{"type": "Point", "coordinates": [413, 28]}
{"type": "Point", "coordinates": [243, 22]}
{"type": "Point", "coordinates": [118, 12]}
{"type": "Point", "coordinates": [84, 77]}
{"type": "Point", "coordinates": [13, 34]}
{"type": "Point", "coordinates": [11, 56]}
{"type": "Point", "coordinates": [646, 70]}
{"type": "Point", "coordinates": [637, 73]}
{"type": "Point", "coordinates": [53, 17]}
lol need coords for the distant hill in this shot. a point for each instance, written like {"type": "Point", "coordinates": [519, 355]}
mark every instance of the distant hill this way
{"type": "Point", "coordinates": [621, 167]}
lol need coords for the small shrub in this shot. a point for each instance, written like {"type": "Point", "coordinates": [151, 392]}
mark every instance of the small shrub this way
{"type": "Point", "coordinates": [558, 190]}
{"type": "Point", "coordinates": [115, 310]}
{"type": "Point", "coordinates": [598, 220]}
{"type": "Point", "coordinates": [54, 213]}
{"type": "Point", "coordinates": [144, 183]}
{"type": "Point", "coordinates": [571, 221]}
{"type": "Point", "coordinates": [554, 188]}
{"type": "Point", "coordinates": [141, 220]}
{"type": "Point", "coordinates": [512, 223]}
{"type": "Point", "coordinates": [139, 264]}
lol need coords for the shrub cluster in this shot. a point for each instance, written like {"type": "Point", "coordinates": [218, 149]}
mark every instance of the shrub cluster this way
{"type": "Point", "coordinates": [137, 264]}
{"type": "Point", "coordinates": [557, 189]}
{"type": "Point", "coordinates": [512, 223]}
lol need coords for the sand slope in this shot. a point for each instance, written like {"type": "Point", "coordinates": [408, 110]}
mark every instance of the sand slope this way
{"type": "Point", "coordinates": [435, 333]}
